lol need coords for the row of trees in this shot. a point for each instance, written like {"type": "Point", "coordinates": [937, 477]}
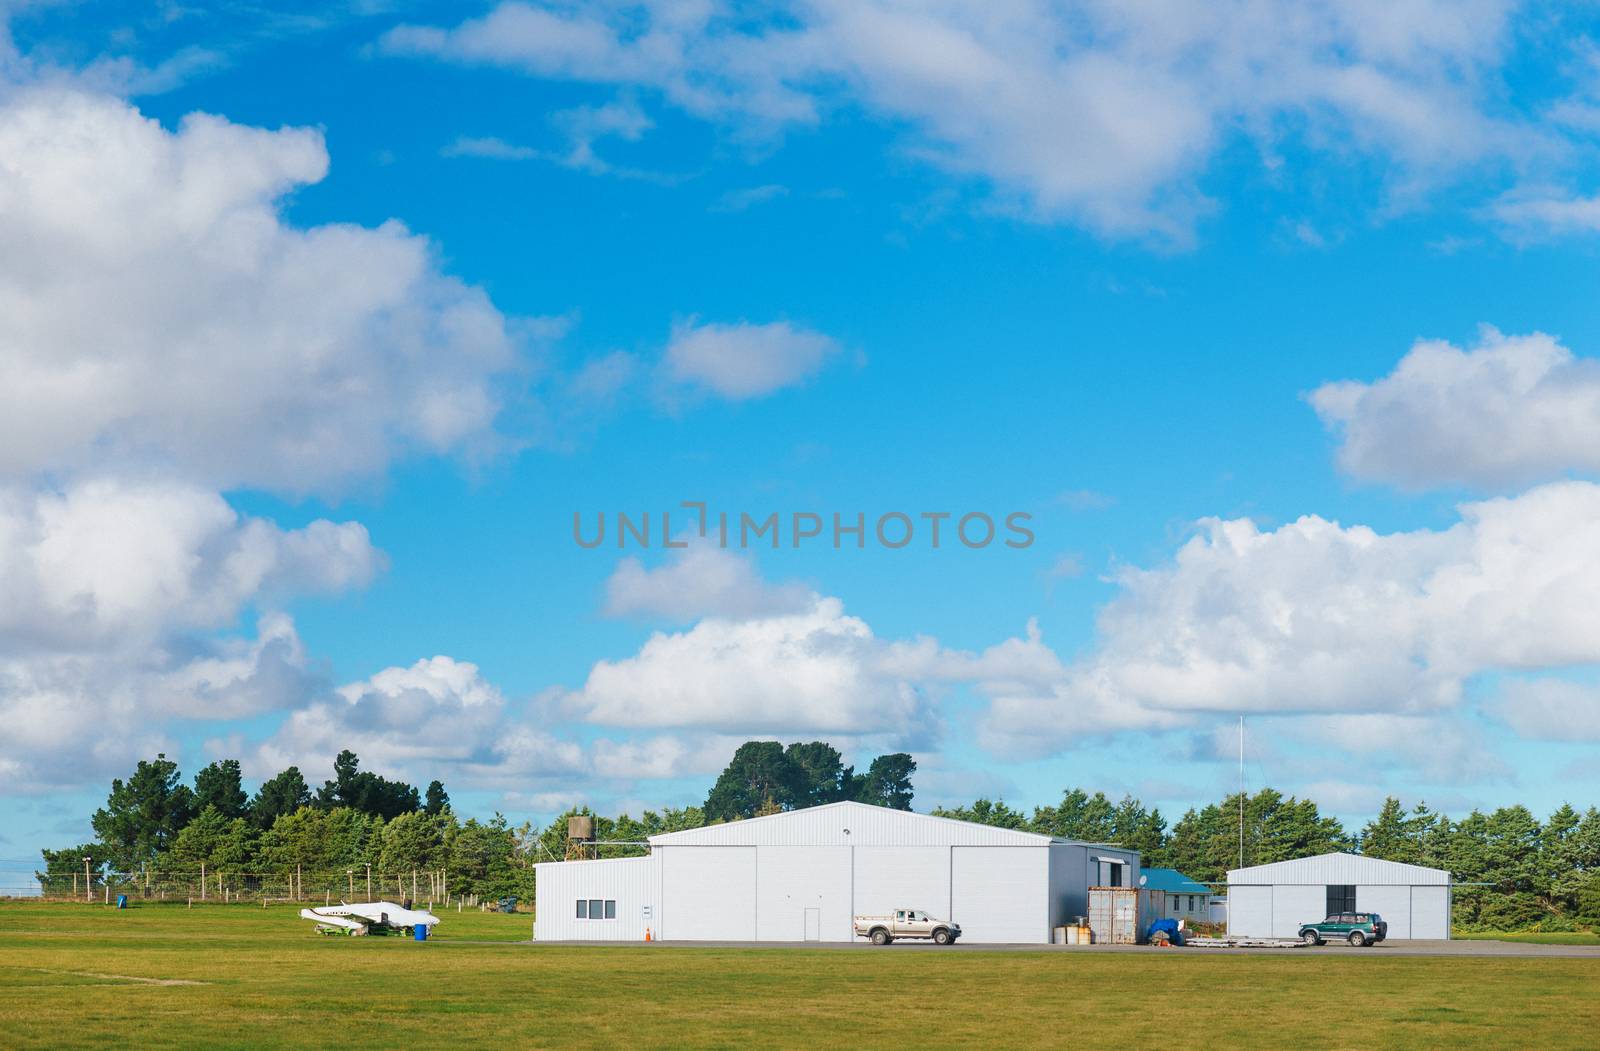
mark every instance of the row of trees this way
{"type": "Point", "coordinates": [145, 815]}
{"type": "Point", "coordinates": [1512, 871]}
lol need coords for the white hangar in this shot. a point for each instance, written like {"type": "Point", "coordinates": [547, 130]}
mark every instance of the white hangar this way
{"type": "Point", "coordinates": [803, 875]}
{"type": "Point", "coordinates": [1274, 901]}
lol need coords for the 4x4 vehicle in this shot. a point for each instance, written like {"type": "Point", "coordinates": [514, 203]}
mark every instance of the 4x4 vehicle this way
{"type": "Point", "coordinates": [906, 923]}
{"type": "Point", "coordinates": [1357, 928]}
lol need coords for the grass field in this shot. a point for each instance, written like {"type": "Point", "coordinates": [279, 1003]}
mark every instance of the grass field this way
{"type": "Point", "coordinates": [235, 976]}
{"type": "Point", "coordinates": [1535, 937]}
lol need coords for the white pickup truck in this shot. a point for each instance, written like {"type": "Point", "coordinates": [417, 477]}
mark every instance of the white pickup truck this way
{"type": "Point", "coordinates": [906, 923]}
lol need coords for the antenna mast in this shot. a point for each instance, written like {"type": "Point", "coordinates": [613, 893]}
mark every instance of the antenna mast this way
{"type": "Point", "coordinates": [1241, 791]}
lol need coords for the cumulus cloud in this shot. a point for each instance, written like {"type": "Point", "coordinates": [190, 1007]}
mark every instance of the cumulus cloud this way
{"type": "Point", "coordinates": [156, 310]}
{"type": "Point", "coordinates": [112, 589]}
{"type": "Point", "coordinates": [1507, 412]}
{"type": "Point", "coordinates": [700, 581]}
{"type": "Point", "coordinates": [109, 563]}
{"type": "Point", "coordinates": [73, 717]}
{"type": "Point", "coordinates": [1549, 709]}
{"type": "Point", "coordinates": [436, 714]}
{"type": "Point", "coordinates": [1318, 618]}
{"type": "Point", "coordinates": [817, 671]}
{"type": "Point", "coordinates": [1099, 112]}
{"type": "Point", "coordinates": [743, 360]}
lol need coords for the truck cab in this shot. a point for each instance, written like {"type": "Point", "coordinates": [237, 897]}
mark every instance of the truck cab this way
{"type": "Point", "coordinates": [906, 923]}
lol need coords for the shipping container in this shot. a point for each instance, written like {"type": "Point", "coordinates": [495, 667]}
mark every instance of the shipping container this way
{"type": "Point", "coordinates": [1121, 915]}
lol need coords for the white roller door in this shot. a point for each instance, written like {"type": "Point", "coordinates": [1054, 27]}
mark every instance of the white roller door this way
{"type": "Point", "coordinates": [708, 893]}
{"type": "Point", "coordinates": [890, 878]}
{"type": "Point", "coordinates": [1250, 912]}
{"type": "Point", "coordinates": [1392, 903]}
{"type": "Point", "coordinates": [1430, 912]}
{"type": "Point", "coordinates": [1000, 894]}
{"type": "Point", "coordinates": [803, 894]}
{"type": "Point", "coordinates": [1294, 905]}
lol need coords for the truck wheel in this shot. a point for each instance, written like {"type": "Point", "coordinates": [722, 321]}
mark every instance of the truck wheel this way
{"type": "Point", "coordinates": [1357, 939]}
{"type": "Point", "coordinates": [1310, 938]}
{"type": "Point", "coordinates": [942, 936]}
{"type": "Point", "coordinates": [880, 937]}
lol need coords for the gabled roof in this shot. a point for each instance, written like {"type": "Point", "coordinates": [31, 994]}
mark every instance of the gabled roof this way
{"type": "Point", "coordinates": [851, 824]}
{"type": "Point", "coordinates": [1340, 868]}
{"type": "Point", "coordinates": [1172, 881]}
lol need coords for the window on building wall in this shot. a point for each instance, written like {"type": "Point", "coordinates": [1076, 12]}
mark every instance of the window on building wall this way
{"type": "Point", "coordinates": [611, 909]}
{"type": "Point", "coordinates": [583, 909]}
{"type": "Point", "coordinates": [1341, 898]}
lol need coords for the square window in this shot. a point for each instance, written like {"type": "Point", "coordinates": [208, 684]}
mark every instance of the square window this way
{"type": "Point", "coordinates": [611, 909]}
{"type": "Point", "coordinates": [596, 909]}
{"type": "Point", "coordinates": [1341, 899]}
{"type": "Point", "coordinates": [583, 909]}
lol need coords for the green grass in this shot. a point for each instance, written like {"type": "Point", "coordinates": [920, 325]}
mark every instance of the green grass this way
{"type": "Point", "coordinates": [264, 980]}
{"type": "Point", "coordinates": [1535, 937]}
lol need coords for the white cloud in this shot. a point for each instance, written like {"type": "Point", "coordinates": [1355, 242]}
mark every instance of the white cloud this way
{"type": "Point", "coordinates": [1538, 215]}
{"type": "Point", "coordinates": [1550, 709]}
{"type": "Point", "coordinates": [437, 715]}
{"type": "Point", "coordinates": [744, 360]}
{"type": "Point", "coordinates": [700, 581]}
{"type": "Point", "coordinates": [105, 584]}
{"type": "Point", "coordinates": [1316, 618]}
{"type": "Point", "coordinates": [72, 718]}
{"type": "Point", "coordinates": [156, 311]}
{"type": "Point", "coordinates": [1100, 112]}
{"type": "Point", "coordinates": [117, 564]}
{"type": "Point", "coordinates": [1509, 411]}
{"type": "Point", "coordinates": [818, 671]}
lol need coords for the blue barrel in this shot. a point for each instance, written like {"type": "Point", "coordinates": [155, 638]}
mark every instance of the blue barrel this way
{"type": "Point", "coordinates": [122, 901]}
{"type": "Point", "coordinates": [420, 932]}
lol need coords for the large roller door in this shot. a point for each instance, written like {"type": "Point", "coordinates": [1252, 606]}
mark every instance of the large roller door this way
{"type": "Point", "coordinates": [890, 878]}
{"type": "Point", "coordinates": [1430, 912]}
{"type": "Point", "coordinates": [1000, 894]}
{"type": "Point", "coordinates": [708, 893]}
{"type": "Point", "coordinates": [1250, 911]}
{"type": "Point", "coordinates": [1294, 905]}
{"type": "Point", "coordinates": [1392, 903]}
{"type": "Point", "coordinates": [803, 894]}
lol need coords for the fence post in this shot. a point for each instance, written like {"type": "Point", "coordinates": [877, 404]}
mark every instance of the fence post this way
{"type": "Point", "coordinates": [202, 881]}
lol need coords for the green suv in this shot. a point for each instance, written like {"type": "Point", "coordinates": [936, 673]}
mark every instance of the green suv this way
{"type": "Point", "coordinates": [1357, 928]}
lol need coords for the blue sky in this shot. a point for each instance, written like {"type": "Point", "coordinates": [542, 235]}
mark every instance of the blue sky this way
{"type": "Point", "coordinates": [818, 257]}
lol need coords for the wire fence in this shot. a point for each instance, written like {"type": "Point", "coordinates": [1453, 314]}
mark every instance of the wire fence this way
{"type": "Point", "coordinates": [225, 886]}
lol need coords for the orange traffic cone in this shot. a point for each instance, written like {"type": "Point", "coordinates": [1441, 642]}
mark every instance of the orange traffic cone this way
{"type": "Point", "coordinates": [647, 936]}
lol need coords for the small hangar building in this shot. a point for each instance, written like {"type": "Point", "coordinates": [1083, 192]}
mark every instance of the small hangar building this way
{"type": "Point", "coordinates": [1273, 901]}
{"type": "Point", "coordinates": [803, 875]}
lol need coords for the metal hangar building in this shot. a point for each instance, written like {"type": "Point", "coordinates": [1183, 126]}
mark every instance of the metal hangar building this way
{"type": "Point", "coordinates": [803, 875]}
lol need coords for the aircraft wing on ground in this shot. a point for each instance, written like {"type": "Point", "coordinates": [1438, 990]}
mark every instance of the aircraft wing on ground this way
{"type": "Point", "coordinates": [365, 917]}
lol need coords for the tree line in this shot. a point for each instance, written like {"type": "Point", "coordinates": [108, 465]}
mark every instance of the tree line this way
{"type": "Point", "coordinates": [1512, 870]}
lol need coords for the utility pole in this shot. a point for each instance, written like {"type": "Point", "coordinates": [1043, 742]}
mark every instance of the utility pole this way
{"type": "Point", "coordinates": [1241, 791]}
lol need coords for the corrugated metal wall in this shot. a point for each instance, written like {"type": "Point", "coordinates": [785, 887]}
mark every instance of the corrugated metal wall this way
{"type": "Point", "coordinates": [1348, 869]}
{"type": "Point", "coordinates": [847, 824]}
{"type": "Point", "coordinates": [633, 883]}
